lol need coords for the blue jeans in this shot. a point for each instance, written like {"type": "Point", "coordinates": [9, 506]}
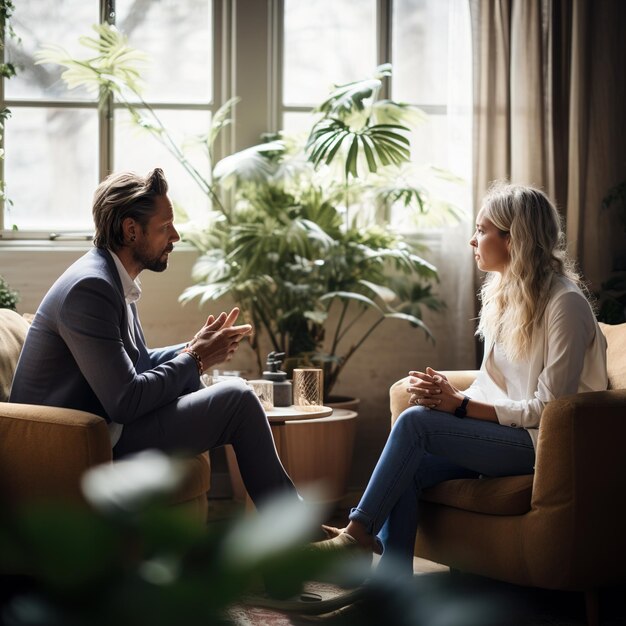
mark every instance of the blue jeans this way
{"type": "Point", "coordinates": [426, 447]}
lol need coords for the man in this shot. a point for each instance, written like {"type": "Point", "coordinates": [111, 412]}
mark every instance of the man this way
{"type": "Point", "coordinates": [86, 350]}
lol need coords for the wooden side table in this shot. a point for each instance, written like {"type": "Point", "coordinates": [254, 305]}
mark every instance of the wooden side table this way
{"type": "Point", "coordinates": [314, 448]}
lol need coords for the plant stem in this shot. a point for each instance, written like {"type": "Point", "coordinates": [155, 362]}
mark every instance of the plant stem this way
{"type": "Point", "coordinates": [266, 324]}
{"type": "Point", "coordinates": [354, 320]}
{"type": "Point", "coordinates": [166, 140]}
{"type": "Point", "coordinates": [337, 336]}
{"type": "Point", "coordinates": [339, 367]}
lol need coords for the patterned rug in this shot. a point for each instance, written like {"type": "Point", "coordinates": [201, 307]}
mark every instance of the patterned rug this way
{"type": "Point", "coordinates": [241, 615]}
{"type": "Point", "coordinates": [438, 599]}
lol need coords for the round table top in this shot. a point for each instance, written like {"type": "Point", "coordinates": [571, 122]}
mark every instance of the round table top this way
{"type": "Point", "coordinates": [293, 412]}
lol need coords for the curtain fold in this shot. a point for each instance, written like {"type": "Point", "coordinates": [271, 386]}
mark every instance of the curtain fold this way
{"type": "Point", "coordinates": [550, 110]}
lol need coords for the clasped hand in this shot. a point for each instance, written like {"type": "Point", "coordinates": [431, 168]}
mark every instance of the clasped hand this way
{"type": "Point", "coordinates": [432, 390]}
{"type": "Point", "coordinates": [219, 338]}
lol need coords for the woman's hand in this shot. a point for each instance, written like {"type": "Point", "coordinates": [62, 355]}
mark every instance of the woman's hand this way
{"type": "Point", "coordinates": [432, 390]}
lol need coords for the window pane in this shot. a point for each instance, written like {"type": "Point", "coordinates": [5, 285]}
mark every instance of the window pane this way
{"type": "Point", "coordinates": [420, 51]}
{"type": "Point", "coordinates": [296, 123]}
{"type": "Point", "coordinates": [139, 151]}
{"type": "Point", "coordinates": [177, 37]}
{"type": "Point", "coordinates": [32, 22]}
{"type": "Point", "coordinates": [429, 141]}
{"type": "Point", "coordinates": [326, 42]}
{"type": "Point", "coordinates": [51, 168]}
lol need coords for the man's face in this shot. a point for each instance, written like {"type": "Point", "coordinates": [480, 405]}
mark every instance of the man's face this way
{"type": "Point", "coordinates": [155, 243]}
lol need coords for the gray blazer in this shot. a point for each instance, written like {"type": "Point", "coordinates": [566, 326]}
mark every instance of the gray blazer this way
{"type": "Point", "coordinates": [78, 353]}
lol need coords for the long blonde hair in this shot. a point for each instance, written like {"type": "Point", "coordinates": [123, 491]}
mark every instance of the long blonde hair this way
{"type": "Point", "coordinates": [513, 301]}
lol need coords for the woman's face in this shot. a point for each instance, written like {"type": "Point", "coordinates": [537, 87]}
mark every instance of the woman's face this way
{"type": "Point", "coordinates": [491, 246]}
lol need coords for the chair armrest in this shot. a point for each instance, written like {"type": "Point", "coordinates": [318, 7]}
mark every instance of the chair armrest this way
{"type": "Point", "coordinates": [579, 485]}
{"type": "Point", "coordinates": [581, 448]}
{"type": "Point", "coordinates": [399, 398]}
{"type": "Point", "coordinates": [45, 450]}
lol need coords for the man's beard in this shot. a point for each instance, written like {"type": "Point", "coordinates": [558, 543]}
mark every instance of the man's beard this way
{"type": "Point", "coordinates": [152, 263]}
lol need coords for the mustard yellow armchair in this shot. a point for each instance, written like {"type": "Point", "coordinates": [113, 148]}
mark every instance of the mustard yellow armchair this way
{"type": "Point", "coordinates": [44, 451]}
{"type": "Point", "coordinates": [561, 528]}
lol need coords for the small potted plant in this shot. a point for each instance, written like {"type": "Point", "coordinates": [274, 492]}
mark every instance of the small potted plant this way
{"type": "Point", "coordinates": [8, 297]}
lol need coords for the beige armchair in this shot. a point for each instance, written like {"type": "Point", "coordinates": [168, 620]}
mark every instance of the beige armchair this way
{"type": "Point", "coordinates": [561, 528]}
{"type": "Point", "coordinates": [45, 450]}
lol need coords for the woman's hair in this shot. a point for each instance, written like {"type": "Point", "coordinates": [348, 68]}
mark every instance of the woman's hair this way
{"type": "Point", "coordinates": [124, 195]}
{"type": "Point", "coordinates": [513, 301]}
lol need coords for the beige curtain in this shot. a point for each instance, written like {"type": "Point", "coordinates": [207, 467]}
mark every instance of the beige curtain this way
{"type": "Point", "coordinates": [550, 110]}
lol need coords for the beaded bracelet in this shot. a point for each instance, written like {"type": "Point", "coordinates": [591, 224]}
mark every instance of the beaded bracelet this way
{"type": "Point", "coordinates": [196, 358]}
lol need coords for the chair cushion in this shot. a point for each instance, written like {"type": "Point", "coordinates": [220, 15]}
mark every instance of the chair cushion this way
{"type": "Point", "coordinates": [13, 329]}
{"type": "Point", "coordinates": [615, 354]}
{"type": "Point", "coordinates": [509, 495]}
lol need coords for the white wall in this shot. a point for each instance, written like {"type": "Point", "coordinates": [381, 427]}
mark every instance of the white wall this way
{"type": "Point", "coordinates": [390, 352]}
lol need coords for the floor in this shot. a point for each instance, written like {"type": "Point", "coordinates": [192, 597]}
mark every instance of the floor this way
{"type": "Point", "coordinates": [444, 598]}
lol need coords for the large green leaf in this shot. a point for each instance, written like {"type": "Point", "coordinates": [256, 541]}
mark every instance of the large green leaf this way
{"type": "Point", "coordinates": [116, 67]}
{"type": "Point", "coordinates": [384, 293]}
{"type": "Point", "coordinates": [380, 145]}
{"type": "Point", "coordinates": [349, 295]}
{"type": "Point", "coordinates": [249, 165]}
{"type": "Point", "coordinates": [349, 97]}
{"type": "Point", "coordinates": [414, 321]}
{"type": "Point", "coordinates": [391, 112]}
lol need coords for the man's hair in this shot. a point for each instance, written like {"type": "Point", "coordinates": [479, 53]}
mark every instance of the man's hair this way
{"type": "Point", "coordinates": [124, 195]}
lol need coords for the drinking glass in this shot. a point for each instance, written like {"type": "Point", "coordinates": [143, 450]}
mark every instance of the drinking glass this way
{"type": "Point", "coordinates": [264, 389]}
{"type": "Point", "coordinates": [308, 389]}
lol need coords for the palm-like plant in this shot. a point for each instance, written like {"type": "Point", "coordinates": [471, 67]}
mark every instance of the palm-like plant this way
{"type": "Point", "coordinates": [286, 249]}
{"type": "Point", "coordinates": [288, 257]}
{"type": "Point", "coordinates": [114, 69]}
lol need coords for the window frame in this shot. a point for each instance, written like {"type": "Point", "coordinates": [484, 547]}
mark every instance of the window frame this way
{"type": "Point", "coordinates": [384, 54]}
{"type": "Point", "coordinates": [236, 58]}
{"type": "Point", "coordinates": [221, 24]}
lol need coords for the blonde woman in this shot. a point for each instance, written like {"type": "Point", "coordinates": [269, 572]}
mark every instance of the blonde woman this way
{"type": "Point", "coordinates": [541, 342]}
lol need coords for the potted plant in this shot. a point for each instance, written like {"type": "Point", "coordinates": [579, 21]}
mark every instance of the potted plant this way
{"type": "Point", "coordinates": [612, 294]}
{"type": "Point", "coordinates": [299, 245]}
{"type": "Point", "coordinates": [7, 71]}
{"type": "Point", "coordinates": [8, 297]}
{"type": "Point", "coordinates": [302, 251]}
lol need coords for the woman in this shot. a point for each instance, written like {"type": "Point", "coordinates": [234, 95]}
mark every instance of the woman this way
{"type": "Point", "coordinates": [541, 342]}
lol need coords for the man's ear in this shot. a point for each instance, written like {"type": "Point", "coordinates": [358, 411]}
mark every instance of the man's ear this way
{"type": "Point", "coordinates": [129, 229]}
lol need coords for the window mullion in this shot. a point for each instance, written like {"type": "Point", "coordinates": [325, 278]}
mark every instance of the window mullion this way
{"type": "Point", "coordinates": [106, 122]}
{"type": "Point", "coordinates": [384, 23]}
{"type": "Point", "coordinates": [2, 106]}
{"type": "Point", "coordinates": [275, 74]}
{"type": "Point", "coordinates": [223, 58]}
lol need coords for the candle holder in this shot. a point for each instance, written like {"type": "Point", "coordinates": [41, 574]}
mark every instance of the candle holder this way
{"type": "Point", "coordinates": [308, 389]}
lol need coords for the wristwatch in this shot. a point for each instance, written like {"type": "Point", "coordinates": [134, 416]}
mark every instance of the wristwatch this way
{"type": "Point", "coordinates": [461, 411]}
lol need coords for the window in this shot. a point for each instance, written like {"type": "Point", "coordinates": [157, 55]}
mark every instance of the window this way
{"type": "Point", "coordinates": [58, 144]}
{"type": "Point", "coordinates": [324, 42]}
{"type": "Point", "coordinates": [427, 42]}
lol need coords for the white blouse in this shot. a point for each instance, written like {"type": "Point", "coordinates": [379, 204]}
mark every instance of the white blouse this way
{"type": "Point", "coordinates": [568, 355]}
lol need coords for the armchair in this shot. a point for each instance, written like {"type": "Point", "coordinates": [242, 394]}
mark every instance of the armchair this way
{"type": "Point", "coordinates": [563, 526]}
{"type": "Point", "coordinates": [45, 450]}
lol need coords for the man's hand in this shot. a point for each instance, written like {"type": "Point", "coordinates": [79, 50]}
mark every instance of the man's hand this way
{"type": "Point", "coordinates": [432, 390]}
{"type": "Point", "coordinates": [219, 338]}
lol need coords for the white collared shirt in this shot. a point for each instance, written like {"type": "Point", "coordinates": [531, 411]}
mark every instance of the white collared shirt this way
{"type": "Point", "coordinates": [132, 293]}
{"type": "Point", "coordinates": [568, 355]}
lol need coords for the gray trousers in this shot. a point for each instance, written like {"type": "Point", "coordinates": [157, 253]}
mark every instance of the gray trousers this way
{"type": "Point", "coordinates": [228, 412]}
